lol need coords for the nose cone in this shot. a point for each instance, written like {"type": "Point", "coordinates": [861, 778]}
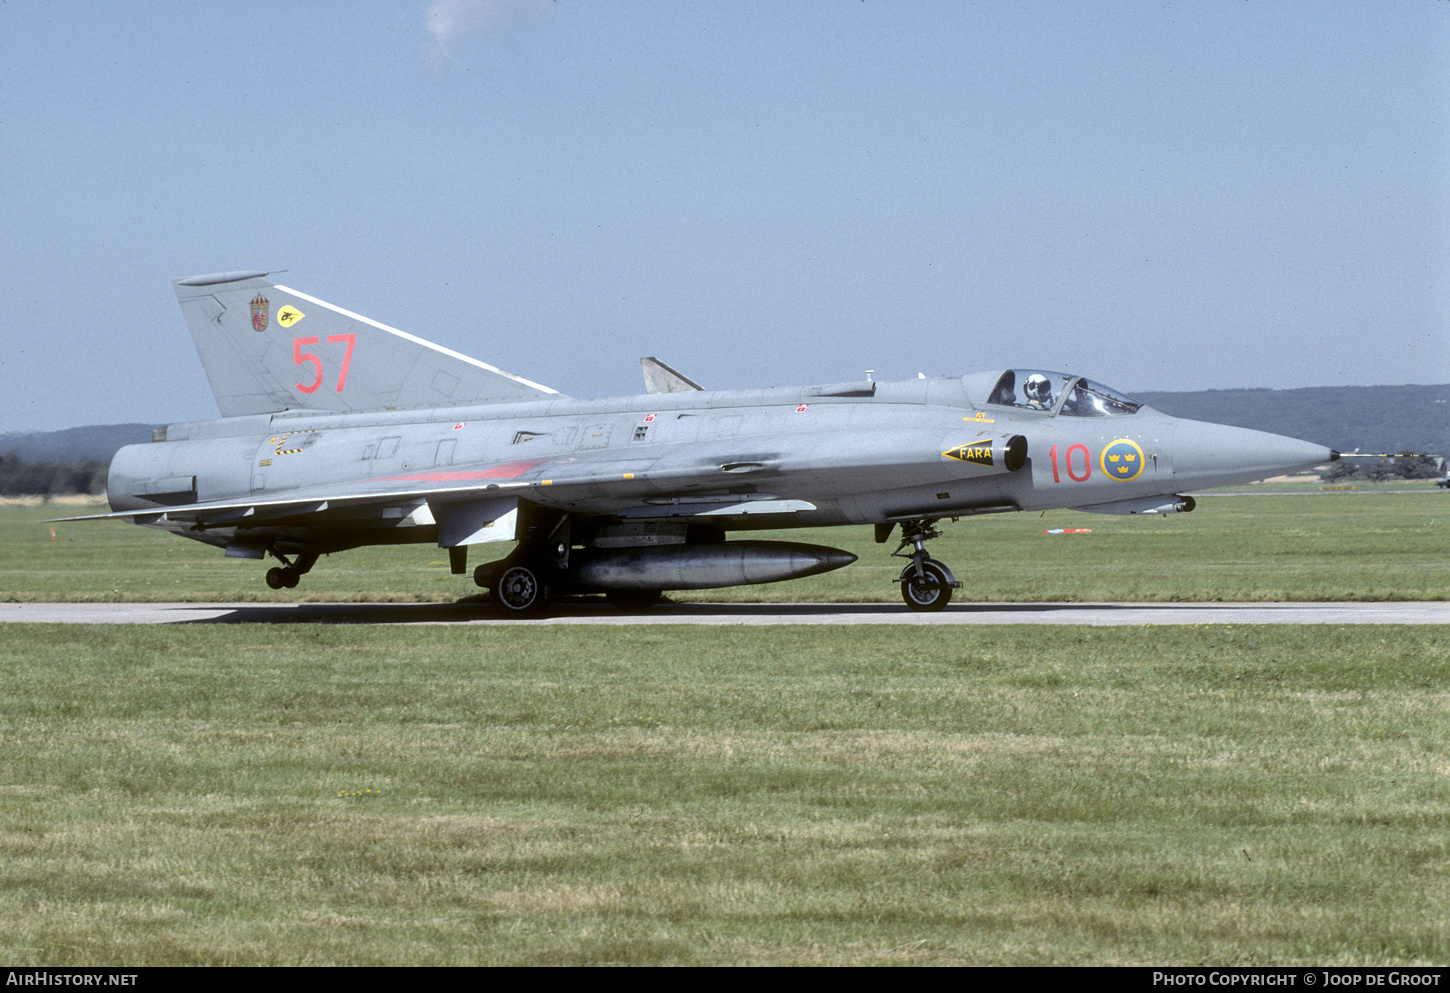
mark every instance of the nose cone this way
{"type": "Point", "coordinates": [1219, 455]}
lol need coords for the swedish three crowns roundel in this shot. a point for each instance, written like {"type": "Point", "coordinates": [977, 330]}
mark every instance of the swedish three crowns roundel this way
{"type": "Point", "coordinates": [1122, 460]}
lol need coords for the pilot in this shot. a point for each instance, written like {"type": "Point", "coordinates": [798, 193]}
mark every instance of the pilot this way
{"type": "Point", "coordinates": [1038, 391]}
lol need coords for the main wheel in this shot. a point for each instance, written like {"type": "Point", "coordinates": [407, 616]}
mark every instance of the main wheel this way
{"type": "Point", "coordinates": [931, 591]}
{"type": "Point", "coordinates": [519, 591]}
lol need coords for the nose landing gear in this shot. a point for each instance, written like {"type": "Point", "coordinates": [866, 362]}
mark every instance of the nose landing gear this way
{"type": "Point", "coordinates": [926, 584]}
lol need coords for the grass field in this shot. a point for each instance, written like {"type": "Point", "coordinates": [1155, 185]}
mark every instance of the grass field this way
{"type": "Point", "coordinates": [1360, 545]}
{"type": "Point", "coordinates": [377, 794]}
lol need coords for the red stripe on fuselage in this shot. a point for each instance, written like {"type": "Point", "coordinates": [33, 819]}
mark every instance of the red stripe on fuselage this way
{"type": "Point", "coordinates": [509, 470]}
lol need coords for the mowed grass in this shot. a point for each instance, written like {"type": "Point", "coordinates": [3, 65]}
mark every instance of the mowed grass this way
{"type": "Point", "coordinates": [378, 794]}
{"type": "Point", "coordinates": [1360, 545]}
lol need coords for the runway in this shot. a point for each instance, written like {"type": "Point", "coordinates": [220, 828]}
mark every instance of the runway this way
{"type": "Point", "coordinates": [596, 612]}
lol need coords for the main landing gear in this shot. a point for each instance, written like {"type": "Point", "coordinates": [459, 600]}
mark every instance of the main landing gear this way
{"type": "Point", "coordinates": [926, 584]}
{"type": "Point", "coordinates": [519, 590]}
{"type": "Point", "coordinates": [520, 585]}
{"type": "Point", "coordinates": [291, 573]}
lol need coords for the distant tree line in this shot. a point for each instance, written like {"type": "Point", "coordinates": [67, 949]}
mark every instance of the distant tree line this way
{"type": "Point", "coordinates": [21, 478]}
{"type": "Point", "coordinates": [1349, 418]}
{"type": "Point", "coordinates": [1405, 465]}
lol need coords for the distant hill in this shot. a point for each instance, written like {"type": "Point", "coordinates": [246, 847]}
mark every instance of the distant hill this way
{"type": "Point", "coordinates": [96, 443]}
{"type": "Point", "coordinates": [1347, 418]}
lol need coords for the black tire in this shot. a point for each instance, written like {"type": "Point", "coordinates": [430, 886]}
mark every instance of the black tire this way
{"type": "Point", "coordinates": [276, 578]}
{"type": "Point", "coordinates": [932, 593]}
{"type": "Point", "coordinates": [519, 591]}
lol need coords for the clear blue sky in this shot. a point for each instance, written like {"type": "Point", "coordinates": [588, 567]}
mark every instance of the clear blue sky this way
{"type": "Point", "coordinates": [1165, 195]}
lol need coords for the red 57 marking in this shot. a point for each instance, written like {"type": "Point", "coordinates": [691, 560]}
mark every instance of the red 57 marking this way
{"type": "Point", "coordinates": [299, 357]}
{"type": "Point", "coordinates": [1069, 457]}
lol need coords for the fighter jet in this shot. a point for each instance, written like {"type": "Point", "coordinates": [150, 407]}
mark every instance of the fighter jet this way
{"type": "Point", "coordinates": [338, 432]}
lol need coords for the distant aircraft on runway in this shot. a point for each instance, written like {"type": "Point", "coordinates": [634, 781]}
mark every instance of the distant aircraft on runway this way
{"type": "Point", "coordinates": [338, 431]}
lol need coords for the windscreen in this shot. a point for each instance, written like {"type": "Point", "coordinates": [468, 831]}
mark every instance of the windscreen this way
{"type": "Point", "coordinates": [1040, 389]}
{"type": "Point", "coordinates": [1089, 399]}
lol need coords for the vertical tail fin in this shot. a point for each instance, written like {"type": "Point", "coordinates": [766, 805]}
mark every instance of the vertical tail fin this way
{"type": "Point", "coordinates": [266, 348]}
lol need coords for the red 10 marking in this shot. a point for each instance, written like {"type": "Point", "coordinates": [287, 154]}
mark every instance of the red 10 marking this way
{"type": "Point", "coordinates": [1087, 463]}
{"type": "Point", "coordinates": [299, 357]}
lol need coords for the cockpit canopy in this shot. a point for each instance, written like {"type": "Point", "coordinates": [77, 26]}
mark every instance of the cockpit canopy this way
{"type": "Point", "coordinates": [1038, 389]}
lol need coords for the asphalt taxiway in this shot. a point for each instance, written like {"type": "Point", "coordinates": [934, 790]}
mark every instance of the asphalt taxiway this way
{"type": "Point", "coordinates": [597, 612]}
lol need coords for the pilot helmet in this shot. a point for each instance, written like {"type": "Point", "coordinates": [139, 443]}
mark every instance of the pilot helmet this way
{"type": "Point", "coordinates": [1037, 388]}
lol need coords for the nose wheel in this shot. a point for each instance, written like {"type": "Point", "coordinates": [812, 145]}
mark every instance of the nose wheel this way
{"type": "Point", "coordinates": [931, 590]}
{"type": "Point", "coordinates": [926, 584]}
